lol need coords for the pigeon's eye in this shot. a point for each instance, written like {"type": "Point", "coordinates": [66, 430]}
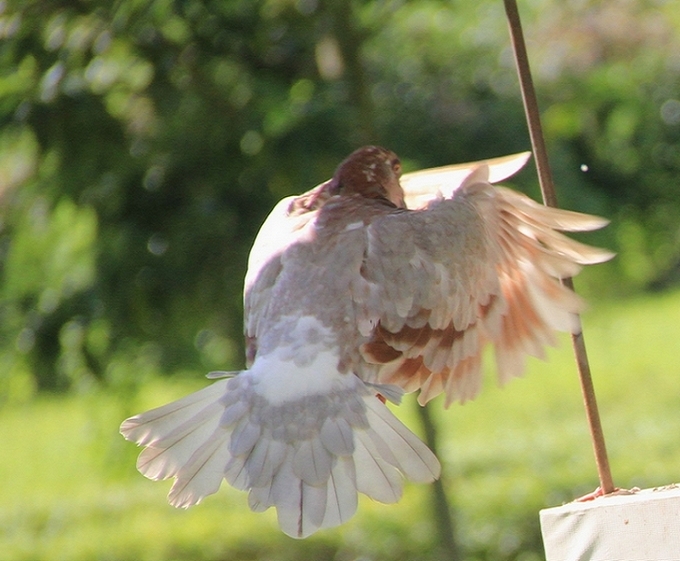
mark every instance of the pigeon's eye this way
{"type": "Point", "coordinates": [396, 167]}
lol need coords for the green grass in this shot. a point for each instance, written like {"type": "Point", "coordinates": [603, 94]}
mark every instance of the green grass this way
{"type": "Point", "coordinates": [70, 490]}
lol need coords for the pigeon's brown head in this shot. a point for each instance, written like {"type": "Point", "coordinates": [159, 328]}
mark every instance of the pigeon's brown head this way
{"type": "Point", "coordinates": [372, 172]}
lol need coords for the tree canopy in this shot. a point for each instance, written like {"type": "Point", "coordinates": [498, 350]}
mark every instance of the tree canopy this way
{"type": "Point", "coordinates": [142, 142]}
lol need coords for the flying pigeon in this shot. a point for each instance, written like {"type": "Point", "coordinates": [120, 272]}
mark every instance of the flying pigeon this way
{"type": "Point", "coordinates": [370, 285]}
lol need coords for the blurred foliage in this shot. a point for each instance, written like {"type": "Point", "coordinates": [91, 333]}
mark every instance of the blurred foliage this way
{"type": "Point", "coordinates": [142, 143]}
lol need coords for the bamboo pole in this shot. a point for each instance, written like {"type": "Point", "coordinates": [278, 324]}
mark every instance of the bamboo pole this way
{"type": "Point", "coordinates": [550, 199]}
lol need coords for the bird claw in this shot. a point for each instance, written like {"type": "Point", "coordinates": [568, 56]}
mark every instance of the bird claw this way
{"type": "Point", "coordinates": [597, 493]}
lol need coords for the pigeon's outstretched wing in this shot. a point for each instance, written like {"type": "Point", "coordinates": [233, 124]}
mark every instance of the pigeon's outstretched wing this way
{"type": "Point", "coordinates": [421, 187]}
{"type": "Point", "coordinates": [439, 283]}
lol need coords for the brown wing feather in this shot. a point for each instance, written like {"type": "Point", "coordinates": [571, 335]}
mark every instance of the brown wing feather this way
{"type": "Point", "coordinates": [478, 268]}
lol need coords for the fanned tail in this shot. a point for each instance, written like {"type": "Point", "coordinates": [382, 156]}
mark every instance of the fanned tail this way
{"type": "Point", "coordinates": [307, 456]}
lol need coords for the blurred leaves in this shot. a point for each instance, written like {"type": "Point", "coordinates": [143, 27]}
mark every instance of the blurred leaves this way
{"type": "Point", "coordinates": [142, 142]}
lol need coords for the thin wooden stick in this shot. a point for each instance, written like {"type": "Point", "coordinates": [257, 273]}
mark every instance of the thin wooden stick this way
{"type": "Point", "coordinates": [550, 199]}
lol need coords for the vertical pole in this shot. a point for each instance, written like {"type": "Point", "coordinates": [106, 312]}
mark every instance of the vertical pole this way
{"type": "Point", "coordinates": [550, 199]}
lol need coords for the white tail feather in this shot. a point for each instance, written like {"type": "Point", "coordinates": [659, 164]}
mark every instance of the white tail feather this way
{"type": "Point", "coordinates": [375, 477]}
{"type": "Point", "coordinates": [341, 502]}
{"type": "Point", "coordinates": [411, 456]}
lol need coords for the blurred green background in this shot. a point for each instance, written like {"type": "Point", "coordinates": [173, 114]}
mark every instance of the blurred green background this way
{"type": "Point", "coordinates": [143, 142]}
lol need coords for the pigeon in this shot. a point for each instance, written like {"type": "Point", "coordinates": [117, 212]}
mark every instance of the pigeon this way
{"type": "Point", "coordinates": [370, 285]}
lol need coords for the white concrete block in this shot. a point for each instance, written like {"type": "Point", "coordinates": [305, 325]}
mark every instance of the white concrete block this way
{"type": "Point", "coordinates": [644, 526]}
